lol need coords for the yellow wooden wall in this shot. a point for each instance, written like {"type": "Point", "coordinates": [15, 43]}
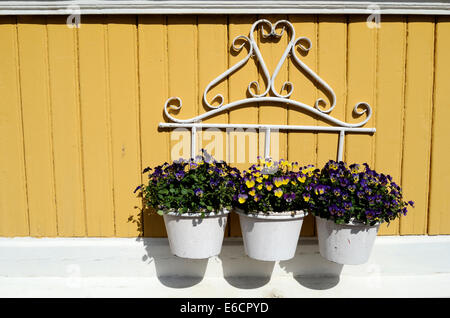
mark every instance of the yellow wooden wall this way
{"type": "Point", "coordinates": [79, 110]}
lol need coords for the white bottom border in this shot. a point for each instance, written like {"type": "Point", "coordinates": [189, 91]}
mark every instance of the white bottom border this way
{"type": "Point", "coordinates": [408, 266]}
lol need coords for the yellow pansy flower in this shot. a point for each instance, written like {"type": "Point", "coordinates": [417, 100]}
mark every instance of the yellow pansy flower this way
{"type": "Point", "coordinates": [355, 169]}
{"type": "Point", "coordinates": [284, 163]}
{"type": "Point", "coordinates": [242, 198]}
{"type": "Point", "coordinates": [250, 183]}
{"type": "Point", "coordinates": [278, 192]}
{"type": "Point", "coordinates": [306, 197]}
{"type": "Point", "coordinates": [278, 182]}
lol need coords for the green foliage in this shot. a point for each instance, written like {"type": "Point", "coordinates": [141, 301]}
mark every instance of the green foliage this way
{"type": "Point", "coordinates": [338, 192]}
{"type": "Point", "coordinates": [200, 185]}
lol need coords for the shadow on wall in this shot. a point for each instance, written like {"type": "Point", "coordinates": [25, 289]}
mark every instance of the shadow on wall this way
{"type": "Point", "coordinates": [308, 267]}
{"type": "Point", "coordinates": [172, 271]}
{"type": "Point", "coordinates": [241, 271]}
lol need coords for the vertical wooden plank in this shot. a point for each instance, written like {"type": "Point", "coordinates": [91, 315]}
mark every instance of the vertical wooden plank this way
{"type": "Point", "coordinates": [95, 116]}
{"type": "Point", "coordinates": [302, 145]}
{"type": "Point", "coordinates": [153, 91]}
{"type": "Point", "coordinates": [439, 219]}
{"type": "Point", "coordinates": [271, 50]}
{"type": "Point", "coordinates": [238, 82]}
{"type": "Point", "coordinates": [390, 103]}
{"type": "Point", "coordinates": [63, 68]}
{"type": "Point", "coordinates": [362, 49]}
{"type": "Point", "coordinates": [213, 61]}
{"type": "Point", "coordinates": [13, 195]}
{"type": "Point", "coordinates": [182, 50]}
{"type": "Point", "coordinates": [33, 59]}
{"type": "Point", "coordinates": [123, 82]}
{"type": "Point", "coordinates": [183, 68]}
{"type": "Point", "coordinates": [418, 116]}
{"type": "Point", "coordinates": [331, 66]}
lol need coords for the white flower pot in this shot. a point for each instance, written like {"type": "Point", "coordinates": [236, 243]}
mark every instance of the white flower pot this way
{"type": "Point", "coordinates": [346, 243]}
{"type": "Point", "coordinates": [273, 236]}
{"type": "Point", "coordinates": [193, 236]}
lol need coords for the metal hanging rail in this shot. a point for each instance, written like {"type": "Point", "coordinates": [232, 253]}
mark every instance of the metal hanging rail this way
{"type": "Point", "coordinates": [256, 97]}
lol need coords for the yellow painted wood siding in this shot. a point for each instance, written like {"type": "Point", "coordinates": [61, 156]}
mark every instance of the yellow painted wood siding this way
{"type": "Point", "coordinates": [79, 111]}
{"type": "Point", "coordinates": [300, 146]}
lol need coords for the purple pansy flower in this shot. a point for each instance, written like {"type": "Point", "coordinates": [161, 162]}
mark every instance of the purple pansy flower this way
{"type": "Point", "coordinates": [347, 205]}
{"type": "Point", "coordinates": [289, 197]}
{"type": "Point", "coordinates": [179, 175]}
{"type": "Point", "coordinates": [213, 183]}
{"type": "Point", "coordinates": [146, 170]}
{"type": "Point", "coordinates": [404, 211]}
{"type": "Point", "coordinates": [333, 209]}
{"type": "Point", "coordinates": [320, 189]}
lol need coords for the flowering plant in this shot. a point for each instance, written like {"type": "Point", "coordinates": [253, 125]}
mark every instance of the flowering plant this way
{"type": "Point", "coordinates": [354, 193]}
{"type": "Point", "coordinates": [200, 185]}
{"type": "Point", "coordinates": [274, 187]}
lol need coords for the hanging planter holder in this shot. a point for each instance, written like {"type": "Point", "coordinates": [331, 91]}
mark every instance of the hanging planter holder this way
{"type": "Point", "coordinates": [193, 236]}
{"type": "Point", "coordinates": [251, 225]}
{"type": "Point", "coordinates": [349, 244]}
{"type": "Point", "coordinates": [270, 96]}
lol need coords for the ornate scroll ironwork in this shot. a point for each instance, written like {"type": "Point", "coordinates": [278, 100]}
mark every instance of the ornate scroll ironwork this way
{"type": "Point", "coordinates": [318, 109]}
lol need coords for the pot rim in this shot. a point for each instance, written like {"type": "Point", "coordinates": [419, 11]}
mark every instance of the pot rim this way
{"type": "Point", "coordinates": [352, 222]}
{"type": "Point", "coordinates": [198, 214]}
{"type": "Point", "coordinates": [287, 215]}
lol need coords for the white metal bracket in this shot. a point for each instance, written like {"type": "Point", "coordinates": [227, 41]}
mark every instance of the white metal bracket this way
{"type": "Point", "coordinates": [276, 98]}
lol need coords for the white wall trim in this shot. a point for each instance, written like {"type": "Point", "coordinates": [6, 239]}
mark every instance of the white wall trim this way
{"type": "Point", "coordinates": [57, 7]}
{"type": "Point", "coordinates": [26, 257]}
{"type": "Point", "coordinates": [411, 266]}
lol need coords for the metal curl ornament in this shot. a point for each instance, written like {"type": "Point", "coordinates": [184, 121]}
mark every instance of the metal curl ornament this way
{"type": "Point", "coordinates": [320, 108]}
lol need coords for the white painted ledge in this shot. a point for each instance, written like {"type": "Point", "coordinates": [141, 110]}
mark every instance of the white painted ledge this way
{"type": "Point", "coordinates": [411, 266]}
{"type": "Point", "coordinates": [63, 7]}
